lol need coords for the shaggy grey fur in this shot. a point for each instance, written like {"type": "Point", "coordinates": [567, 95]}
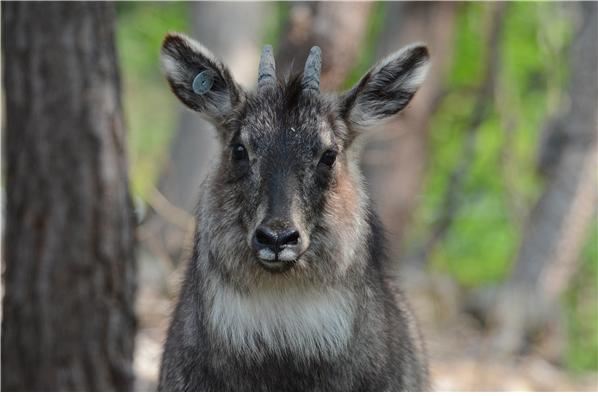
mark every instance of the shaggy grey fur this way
{"type": "Point", "coordinates": [326, 313]}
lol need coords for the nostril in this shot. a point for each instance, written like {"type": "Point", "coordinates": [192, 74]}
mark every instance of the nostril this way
{"type": "Point", "coordinates": [265, 236]}
{"type": "Point", "coordinates": [289, 237]}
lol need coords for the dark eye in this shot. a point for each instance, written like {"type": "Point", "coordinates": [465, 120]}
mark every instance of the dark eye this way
{"type": "Point", "coordinates": [239, 152]}
{"type": "Point", "coordinates": [328, 158]}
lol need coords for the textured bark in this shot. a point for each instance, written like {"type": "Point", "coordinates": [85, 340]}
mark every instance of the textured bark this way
{"type": "Point", "coordinates": [232, 31]}
{"type": "Point", "coordinates": [68, 320]}
{"type": "Point", "coordinates": [395, 160]}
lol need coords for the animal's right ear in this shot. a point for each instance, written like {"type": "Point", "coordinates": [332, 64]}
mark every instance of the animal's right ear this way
{"type": "Point", "coordinates": [198, 79]}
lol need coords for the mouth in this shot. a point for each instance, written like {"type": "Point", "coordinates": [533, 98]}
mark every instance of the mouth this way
{"type": "Point", "coordinates": [277, 262]}
{"type": "Point", "coordinates": [276, 267]}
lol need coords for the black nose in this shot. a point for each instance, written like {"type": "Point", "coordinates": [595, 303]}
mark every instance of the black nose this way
{"type": "Point", "coordinates": [275, 240]}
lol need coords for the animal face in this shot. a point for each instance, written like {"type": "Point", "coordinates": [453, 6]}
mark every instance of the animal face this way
{"type": "Point", "coordinates": [282, 165]}
{"type": "Point", "coordinates": [286, 196]}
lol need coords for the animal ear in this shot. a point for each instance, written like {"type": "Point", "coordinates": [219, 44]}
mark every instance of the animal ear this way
{"type": "Point", "coordinates": [387, 88]}
{"type": "Point", "coordinates": [198, 79]}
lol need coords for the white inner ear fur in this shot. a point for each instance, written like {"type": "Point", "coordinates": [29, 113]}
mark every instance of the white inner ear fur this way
{"type": "Point", "coordinates": [196, 46]}
{"type": "Point", "coordinates": [215, 104]}
{"type": "Point", "coordinates": [417, 76]}
{"type": "Point", "coordinates": [173, 67]}
{"type": "Point", "coordinates": [411, 79]}
{"type": "Point", "coordinates": [407, 81]}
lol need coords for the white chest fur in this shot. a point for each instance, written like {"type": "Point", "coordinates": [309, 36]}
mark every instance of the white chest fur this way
{"type": "Point", "coordinates": [305, 322]}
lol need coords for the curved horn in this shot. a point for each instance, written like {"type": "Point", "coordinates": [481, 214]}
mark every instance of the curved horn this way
{"type": "Point", "coordinates": [313, 67]}
{"type": "Point", "coordinates": [266, 76]}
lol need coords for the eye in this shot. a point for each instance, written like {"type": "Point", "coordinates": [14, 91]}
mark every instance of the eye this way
{"type": "Point", "coordinates": [239, 152]}
{"type": "Point", "coordinates": [328, 158]}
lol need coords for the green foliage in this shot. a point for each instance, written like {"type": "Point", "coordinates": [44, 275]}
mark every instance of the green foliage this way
{"type": "Point", "coordinates": [582, 309]}
{"type": "Point", "coordinates": [467, 69]}
{"type": "Point", "coordinates": [501, 184]}
{"type": "Point", "coordinates": [150, 114]}
{"type": "Point", "coordinates": [274, 24]}
{"type": "Point", "coordinates": [366, 56]}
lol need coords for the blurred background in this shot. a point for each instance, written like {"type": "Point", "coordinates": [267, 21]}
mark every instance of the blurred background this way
{"type": "Point", "coordinates": [486, 183]}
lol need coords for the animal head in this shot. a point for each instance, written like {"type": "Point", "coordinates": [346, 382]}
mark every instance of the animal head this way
{"type": "Point", "coordinates": [286, 197]}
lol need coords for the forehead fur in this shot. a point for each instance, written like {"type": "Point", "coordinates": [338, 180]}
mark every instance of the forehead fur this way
{"type": "Point", "coordinates": [287, 110]}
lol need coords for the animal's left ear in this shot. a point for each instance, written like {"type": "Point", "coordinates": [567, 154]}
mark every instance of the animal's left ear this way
{"type": "Point", "coordinates": [386, 89]}
{"type": "Point", "coordinates": [198, 79]}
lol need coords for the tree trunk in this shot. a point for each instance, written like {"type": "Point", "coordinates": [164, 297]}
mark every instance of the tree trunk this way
{"type": "Point", "coordinates": [69, 321]}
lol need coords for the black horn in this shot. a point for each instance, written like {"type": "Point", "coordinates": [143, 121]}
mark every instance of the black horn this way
{"type": "Point", "coordinates": [311, 73]}
{"type": "Point", "coordinates": [267, 70]}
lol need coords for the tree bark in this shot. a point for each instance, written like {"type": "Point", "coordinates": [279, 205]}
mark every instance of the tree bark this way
{"type": "Point", "coordinates": [69, 321]}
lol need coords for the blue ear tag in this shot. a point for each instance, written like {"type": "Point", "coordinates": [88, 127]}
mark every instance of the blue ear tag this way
{"type": "Point", "coordinates": [203, 82]}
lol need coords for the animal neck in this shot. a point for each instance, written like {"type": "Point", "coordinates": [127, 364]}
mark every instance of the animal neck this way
{"type": "Point", "coordinates": [305, 322]}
